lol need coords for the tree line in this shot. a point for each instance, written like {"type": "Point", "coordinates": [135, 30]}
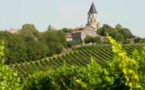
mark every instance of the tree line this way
{"type": "Point", "coordinates": [119, 33]}
{"type": "Point", "coordinates": [29, 44]}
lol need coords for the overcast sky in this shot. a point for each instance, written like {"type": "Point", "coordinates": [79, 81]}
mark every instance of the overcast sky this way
{"type": "Point", "coordinates": [72, 13]}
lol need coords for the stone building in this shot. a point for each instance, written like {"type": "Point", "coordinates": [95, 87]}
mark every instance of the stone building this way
{"type": "Point", "coordinates": [68, 36]}
{"type": "Point", "coordinates": [79, 34]}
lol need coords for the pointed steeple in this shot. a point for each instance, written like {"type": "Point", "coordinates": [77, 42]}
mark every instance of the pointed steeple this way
{"type": "Point", "coordinates": [93, 9]}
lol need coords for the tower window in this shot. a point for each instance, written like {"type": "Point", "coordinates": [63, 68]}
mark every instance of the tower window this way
{"type": "Point", "coordinates": [94, 16]}
{"type": "Point", "coordinates": [89, 20]}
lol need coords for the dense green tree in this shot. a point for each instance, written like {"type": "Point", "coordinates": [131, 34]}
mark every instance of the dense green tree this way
{"type": "Point", "coordinates": [90, 39]}
{"type": "Point", "coordinates": [29, 44]}
{"type": "Point", "coordinates": [137, 40]}
{"type": "Point", "coordinates": [5, 35]}
{"type": "Point", "coordinates": [126, 33]}
{"type": "Point", "coordinates": [37, 50]}
{"type": "Point", "coordinates": [106, 29]}
{"type": "Point", "coordinates": [118, 33]}
{"type": "Point", "coordinates": [118, 27]}
{"type": "Point", "coordinates": [119, 37]}
{"type": "Point", "coordinates": [99, 30]}
{"type": "Point", "coordinates": [62, 38]}
{"type": "Point", "coordinates": [16, 50]}
{"type": "Point", "coordinates": [66, 30]}
{"type": "Point", "coordinates": [29, 30]}
{"type": "Point", "coordinates": [70, 44]}
{"type": "Point", "coordinates": [55, 40]}
{"type": "Point", "coordinates": [97, 40]}
{"type": "Point", "coordinates": [142, 40]}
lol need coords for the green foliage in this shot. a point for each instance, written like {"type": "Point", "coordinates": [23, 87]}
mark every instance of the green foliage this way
{"type": "Point", "coordinates": [123, 73]}
{"type": "Point", "coordinates": [142, 40]}
{"type": "Point", "coordinates": [140, 58]}
{"type": "Point", "coordinates": [70, 44]}
{"type": "Point", "coordinates": [66, 30]}
{"type": "Point", "coordinates": [126, 33]}
{"type": "Point", "coordinates": [128, 66]}
{"type": "Point", "coordinates": [15, 50]}
{"type": "Point", "coordinates": [65, 78]}
{"type": "Point", "coordinates": [118, 33]}
{"type": "Point", "coordinates": [118, 27]}
{"type": "Point", "coordinates": [36, 50]}
{"type": "Point", "coordinates": [137, 40]}
{"type": "Point", "coordinates": [30, 45]}
{"type": "Point", "coordinates": [90, 39]}
{"type": "Point", "coordinates": [29, 30]}
{"type": "Point", "coordinates": [2, 52]}
{"type": "Point", "coordinates": [39, 81]}
{"type": "Point", "coordinates": [79, 56]}
{"type": "Point", "coordinates": [119, 37]}
{"type": "Point", "coordinates": [8, 79]}
{"type": "Point", "coordinates": [62, 39]}
{"type": "Point", "coordinates": [5, 35]}
{"type": "Point", "coordinates": [55, 40]}
{"type": "Point", "coordinates": [106, 29]}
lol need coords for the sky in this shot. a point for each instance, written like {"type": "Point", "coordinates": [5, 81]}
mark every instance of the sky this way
{"type": "Point", "coordinates": [72, 13]}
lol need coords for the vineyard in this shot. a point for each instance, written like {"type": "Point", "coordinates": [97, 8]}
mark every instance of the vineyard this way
{"type": "Point", "coordinates": [79, 57]}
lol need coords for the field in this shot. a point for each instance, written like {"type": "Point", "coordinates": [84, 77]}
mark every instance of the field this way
{"type": "Point", "coordinates": [80, 57]}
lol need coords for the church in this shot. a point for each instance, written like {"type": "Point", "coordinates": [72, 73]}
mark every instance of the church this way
{"type": "Point", "coordinates": [79, 34]}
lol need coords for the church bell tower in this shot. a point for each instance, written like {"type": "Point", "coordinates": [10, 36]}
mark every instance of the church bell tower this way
{"type": "Point", "coordinates": [93, 17]}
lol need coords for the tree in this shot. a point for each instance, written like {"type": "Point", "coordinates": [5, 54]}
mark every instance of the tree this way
{"type": "Point", "coordinates": [137, 40]}
{"type": "Point", "coordinates": [118, 27]}
{"type": "Point", "coordinates": [106, 29]}
{"type": "Point", "coordinates": [29, 30]}
{"type": "Point", "coordinates": [62, 38]}
{"type": "Point", "coordinates": [118, 33]}
{"type": "Point", "coordinates": [142, 40]}
{"type": "Point", "coordinates": [97, 39]}
{"type": "Point", "coordinates": [89, 39]}
{"type": "Point", "coordinates": [16, 50]}
{"type": "Point", "coordinates": [49, 27]}
{"type": "Point", "coordinates": [5, 35]}
{"type": "Point", "coordinates": [66, 30]}
{"type": "Point", "coordinates": [55, 40]}
{"type": "Point", "coordinates": [37, 50]}
{"type": "Point", "coordinates": [126, 33]}
{"type": "Point", "coordinates": [119, 37]}
{"type": "Point", "coordinates": [70, 44]}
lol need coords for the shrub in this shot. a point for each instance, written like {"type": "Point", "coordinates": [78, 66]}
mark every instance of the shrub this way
{"type": "Point", "coordinates": [8, 79]}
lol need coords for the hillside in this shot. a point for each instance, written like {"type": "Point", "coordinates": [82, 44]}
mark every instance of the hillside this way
{"type": "Point", "coordinates": [80, 57]}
